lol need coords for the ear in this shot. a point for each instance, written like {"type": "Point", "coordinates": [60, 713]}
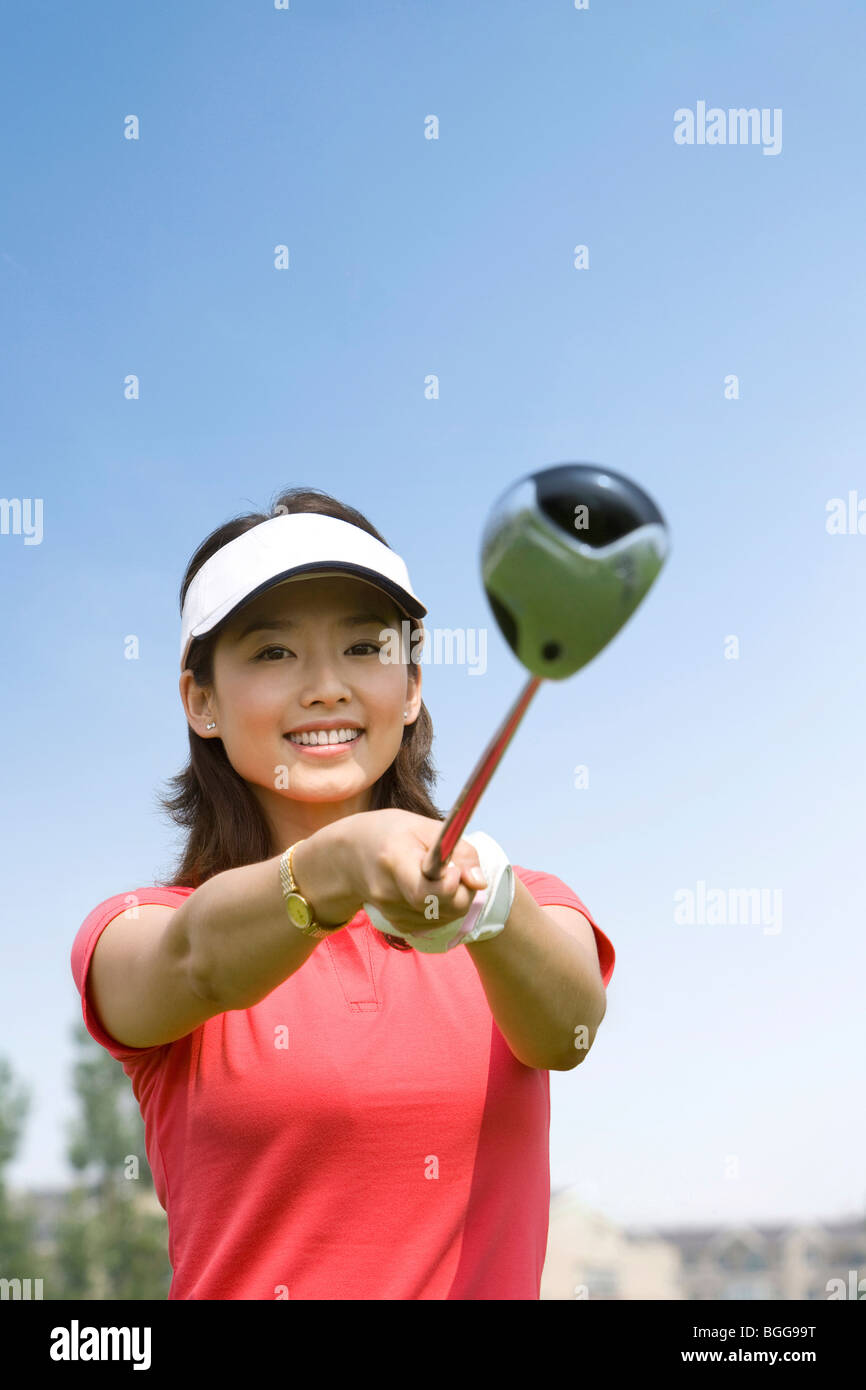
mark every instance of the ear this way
{"type": "Point", "coordinates": [196, 703]}
{"type": "Point", "coordinates": [413, 695]}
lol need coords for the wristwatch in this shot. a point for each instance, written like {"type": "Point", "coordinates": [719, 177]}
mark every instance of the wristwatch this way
{"type": "Point", "coordinates": [301, 914]}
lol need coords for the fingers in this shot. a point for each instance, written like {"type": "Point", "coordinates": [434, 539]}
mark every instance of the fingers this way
{"type": "Point", "coordinates": [445, 886]}
{"type": "Point", "coordinates": [406, 896]}
{"type": "Point", "coordinates": [452, 896]}
{"type": "Point", "coordinates": [460, 880]}
{"type": "Point", "coordinates": [462, 869]}
{"type": "Point", "coordinates": [470, 866]}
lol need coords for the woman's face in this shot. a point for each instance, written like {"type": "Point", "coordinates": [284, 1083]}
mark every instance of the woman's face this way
{"type": "Point", "coordinates": [314, 662]}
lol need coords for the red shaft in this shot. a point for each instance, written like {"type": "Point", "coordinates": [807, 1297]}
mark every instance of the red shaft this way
{"type": "Point", "coordinates": [481, 775]}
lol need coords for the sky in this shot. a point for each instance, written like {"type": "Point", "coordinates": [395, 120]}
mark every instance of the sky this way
{"type": "Point", "coordinates": [436, 335]}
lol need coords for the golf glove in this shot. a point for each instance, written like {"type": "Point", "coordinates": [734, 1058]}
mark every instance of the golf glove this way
{"type": "Point", "coordinates": [487, 914]}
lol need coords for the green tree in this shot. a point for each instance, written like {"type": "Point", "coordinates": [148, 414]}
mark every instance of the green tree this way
{"type": "Point", "coordinates": [111, 1244]}
{"type": "Point", "coordinates": [18, 1259]}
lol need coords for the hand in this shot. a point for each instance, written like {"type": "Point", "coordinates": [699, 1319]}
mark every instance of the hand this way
{"type": "Point", "coordinates": [386, 851]}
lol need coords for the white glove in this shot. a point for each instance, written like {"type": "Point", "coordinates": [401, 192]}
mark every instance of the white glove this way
{"type": "Point", "coordinates": [487, 914]}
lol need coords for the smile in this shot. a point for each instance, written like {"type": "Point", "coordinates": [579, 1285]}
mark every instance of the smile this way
{"type": "Point", "coordinates": [325, 750]}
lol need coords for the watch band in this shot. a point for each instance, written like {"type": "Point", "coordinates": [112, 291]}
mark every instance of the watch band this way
{"type": "Point", "coordinates": [298, 908]}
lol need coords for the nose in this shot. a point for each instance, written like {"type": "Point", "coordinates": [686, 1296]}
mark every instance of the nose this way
{"type": "Point", "coordinates": [322, 682]}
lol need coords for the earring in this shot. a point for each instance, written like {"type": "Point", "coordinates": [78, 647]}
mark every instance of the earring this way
{"type": "Point", "coordinates": [210, 726]}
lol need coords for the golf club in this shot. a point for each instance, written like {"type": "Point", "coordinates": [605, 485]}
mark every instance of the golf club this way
{"type": "Point", "coordinates": [567, 555]}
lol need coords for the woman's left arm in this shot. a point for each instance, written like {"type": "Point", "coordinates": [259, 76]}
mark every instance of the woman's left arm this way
{"type": "Point", "coordinates": [543, 984]}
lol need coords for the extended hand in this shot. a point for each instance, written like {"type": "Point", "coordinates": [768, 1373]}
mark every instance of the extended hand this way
{"type": "Point", "coordinates": [387, 851]}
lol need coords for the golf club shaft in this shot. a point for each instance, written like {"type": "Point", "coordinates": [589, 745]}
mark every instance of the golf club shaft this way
{"type": "Point", "coordinates": [483, 771]}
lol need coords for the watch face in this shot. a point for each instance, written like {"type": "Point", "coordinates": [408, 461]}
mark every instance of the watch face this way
{"type": "Point", "coordinates": [298, 910]}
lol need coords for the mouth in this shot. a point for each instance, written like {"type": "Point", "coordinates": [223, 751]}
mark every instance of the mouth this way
{"type": "Point", "coordinates": [326, 750]}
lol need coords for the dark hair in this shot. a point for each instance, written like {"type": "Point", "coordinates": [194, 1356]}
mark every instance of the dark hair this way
{"type": "Point", "coordinates": [225, 825]}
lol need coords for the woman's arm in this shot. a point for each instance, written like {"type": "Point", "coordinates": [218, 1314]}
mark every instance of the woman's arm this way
{"type": "Point", "coordinates": [240, 939]}
{"type": "Point", "coordinates": [541, 985]}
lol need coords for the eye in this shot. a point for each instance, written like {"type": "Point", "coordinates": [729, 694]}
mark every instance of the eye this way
{"type": "Point", "coordinates": [373, 647]}
{"type": "Point", "coordinates": [269, 649]}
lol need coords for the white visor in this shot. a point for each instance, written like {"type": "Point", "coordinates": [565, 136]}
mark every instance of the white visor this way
{"type": "Point", "coordinates": [286, 547]}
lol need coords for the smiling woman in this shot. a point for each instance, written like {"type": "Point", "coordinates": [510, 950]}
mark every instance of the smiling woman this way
{"type": "Point", "coordinates": [303, 1086]}
{"type": "Point", "coordinates": [325, 674]}
{"type": "Point", "coordinates": [233, 820]}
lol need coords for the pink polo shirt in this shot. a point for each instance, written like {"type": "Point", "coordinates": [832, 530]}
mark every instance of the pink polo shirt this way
{"type": "Point", "coordinates": [363, 1132]}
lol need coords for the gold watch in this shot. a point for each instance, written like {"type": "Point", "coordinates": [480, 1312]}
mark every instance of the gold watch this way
{"type": "Point", "coordinates": [301, 914]}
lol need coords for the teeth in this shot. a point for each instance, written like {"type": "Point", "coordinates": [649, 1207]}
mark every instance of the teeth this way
{"type": "Point", "coordinates": [327, 736]}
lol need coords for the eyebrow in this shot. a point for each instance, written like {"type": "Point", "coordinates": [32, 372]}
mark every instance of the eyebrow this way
{"type": "Point", "coordinates": [287, 624]}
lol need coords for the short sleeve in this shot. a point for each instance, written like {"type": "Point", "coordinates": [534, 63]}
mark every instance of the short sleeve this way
{"type": "Point", "coordinates": [85, 944]}
{"type": "Point", "coordinates": [550, 891]}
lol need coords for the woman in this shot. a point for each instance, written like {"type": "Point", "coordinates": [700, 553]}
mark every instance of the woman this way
{"type": "Point", "coordinates": [338, 1103]}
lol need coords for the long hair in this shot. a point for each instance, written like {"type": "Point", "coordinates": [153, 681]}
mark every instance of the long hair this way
{"type": "Point", "coordinates": [225, 825]}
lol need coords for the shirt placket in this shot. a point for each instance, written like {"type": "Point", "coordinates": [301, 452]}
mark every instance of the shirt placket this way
{"type": "Point", "coordinates": [351, 953]}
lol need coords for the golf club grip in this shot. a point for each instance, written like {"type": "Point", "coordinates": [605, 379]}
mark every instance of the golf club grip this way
{"type": "Point", "coordinates": [471, 794]}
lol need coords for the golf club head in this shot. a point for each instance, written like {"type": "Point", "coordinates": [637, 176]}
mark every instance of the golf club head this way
{"type": "Point", "coordinates": [567, 555]}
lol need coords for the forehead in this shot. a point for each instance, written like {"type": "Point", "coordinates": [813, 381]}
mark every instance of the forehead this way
{"type": "Point", "coordinates": [318, 598]}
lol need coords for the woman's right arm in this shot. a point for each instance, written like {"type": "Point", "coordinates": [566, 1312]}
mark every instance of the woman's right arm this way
{"type": "Point", "coordinates": [241, 942]}
{"type": "Point", "coordinates": [159, 974]}
{"type": "Point", "coordinates": [156, 978]}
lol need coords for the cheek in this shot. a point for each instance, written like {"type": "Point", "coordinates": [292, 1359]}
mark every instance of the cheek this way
{"type": "Point", "coordinates": [384, 698]}
{"type": "Point", "coordinates": [253, 702]}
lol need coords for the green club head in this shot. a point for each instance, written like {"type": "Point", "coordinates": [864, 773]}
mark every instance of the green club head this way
{"type": "Point", "coordinates": [567, 555]}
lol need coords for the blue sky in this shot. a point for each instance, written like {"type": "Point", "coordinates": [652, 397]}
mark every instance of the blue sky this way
{"type": "Point", "coordinates": [726, 1081]}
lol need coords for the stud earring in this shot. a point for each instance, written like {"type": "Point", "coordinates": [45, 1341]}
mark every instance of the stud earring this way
{"type": "Point", "coordinates": [210, 726]}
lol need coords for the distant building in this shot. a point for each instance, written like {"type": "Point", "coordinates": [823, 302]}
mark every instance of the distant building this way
{"type": "Point", "coordinates": [589, 1256]}
{"type": "Point", "coordinates": [785, 1262]}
